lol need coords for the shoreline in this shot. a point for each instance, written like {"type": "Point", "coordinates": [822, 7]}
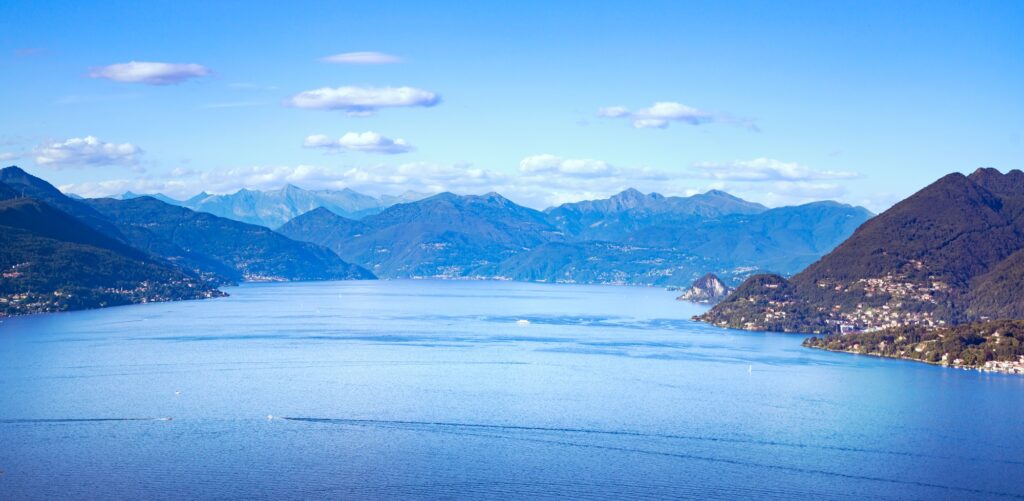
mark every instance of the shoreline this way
{"type": "Point", "coordinates": [997, 370]}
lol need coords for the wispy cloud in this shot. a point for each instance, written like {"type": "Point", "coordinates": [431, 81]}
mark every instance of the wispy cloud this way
{"type": "Point", "coordinates": [367, 142]}
{"type": "Point", "coordinates": [235, 104]}
{"type": "Point", "coordinates": [766, 169]}
{"type": "Point", "coordinates": [251, 86]}
{"type": "Point", "coordinates": [663, 113]}
{"type": "Point", "coordinates": [150, 73]}
{"type": "Point", "coordinates": [29, 51]}
{"type": "Point", "coordinates": [85, 151]}
{"type": "Point", "coordinates": [362, 101]}
{"type": "Point", "coordinates": [6, 156]}
{"type": "Point", "coordinates": [547, 164]}
{"type": "Point", "coordinates": [93, 98]}
{"type": "Point", "coordinates": [362, 58]}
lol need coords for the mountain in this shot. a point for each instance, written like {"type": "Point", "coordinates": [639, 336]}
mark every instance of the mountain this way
{"type": "Point", "coordinates": [613, 218]}
{"type": "Point", "coordinates": [677, 250]}
{"type": "Point", "coordinates": [604, 263]}
{"type": "Point", "coordinates": [949, 254]}
{"type": "Point", "coordinates": [222, 247]}
{"type": "Point", "coordinates": [28, 185]}
{"type": "Point", "coordinates": [445, 235]}
{"type": "Point", "coordinates": [159, 196]}
{"type": "Point", "coordinates": [52, 261]}
{"type": "Point", "coordinates": [784, 240]}
{"type": "Point", "coordinates": [323, 227]}
{"type": "Point", "coordinates": [706, 289]}
{"type": "Point", "coordinates": [8, 193]}
{"type": "Point", "coordinates": [405, 197]}
{"type": "Point", "coordinates": [660, 240]}
{"type": "Point", "coordinates": [274, 208]}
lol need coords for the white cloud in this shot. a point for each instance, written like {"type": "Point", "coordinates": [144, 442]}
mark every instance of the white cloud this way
{"type": "Point", "coordinates": [362, 101]}
{"type": "Point", "coordinates": [362, 58]}
{"type": "Point", "coordinates": [540, 181]}
{"type": "Point", "coordinates": [82, 151]}
{"type": "Point", "coordinates": [551, 164]}
{"type": "Point", "coordinates": [613, 112]}
{"type": "Point", "coordinates": [150, 73]}
{"type": "Point", "coordinates": [367, 142]}
{"type": "Point", "coordinates": [7, 155]}
{"type": "Point", "coordinates": [765, 169]}
{"type": "Point", "coordinates": [663, 113]}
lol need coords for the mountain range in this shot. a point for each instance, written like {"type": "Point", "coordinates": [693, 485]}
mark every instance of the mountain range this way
{"type": "Point", "coordinates": [52, 261]}
{"type": "Point", "coordinates": [275, 207]}
{"type": "Point", "coordinates": [629, 238]}
{"type": "Point", "coordinates": [221, 247]}
{"type": "Point", "coordinates": [59, 253]}
{"type": "Point", "coordinates": [949, 254]}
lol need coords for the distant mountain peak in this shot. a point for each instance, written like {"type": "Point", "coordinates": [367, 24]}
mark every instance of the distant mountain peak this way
{"type": "Point", "coordinates": [720, 193]}
{"type": "Point", "coordinates": [13, 169]}
{"type": "Point", "coordinates": [629, 192]}
{"type": "Point", "coordinates": [631, 198]}
{"type": "Point", "coordinates": [493, 196]}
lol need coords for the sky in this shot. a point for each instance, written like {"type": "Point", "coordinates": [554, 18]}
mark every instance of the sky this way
{"type": "Point", "coordinates": [544, 102]}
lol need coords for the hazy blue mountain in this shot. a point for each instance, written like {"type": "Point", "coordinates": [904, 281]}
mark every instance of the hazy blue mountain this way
{"type": "Point", "coordinates": [607, 263]}
{"type": "Point", "coordinates": [159, 196]}
{"type": "Point", "coordinates": [613, 218]}
{"type": "Point", "coordinates": [52, 261]}
{"type": "Point", "coordinates": [276, 207]}
{"type": "Point", "coordinates": [669, 249]}
{"type": "Point", "coordinates": [323, 227]}
{"type": "Point", "coordinates": [405, 197]}
{"type": "Point", "coordinates": [664, 241]}
{"type": "Point", "coordinates": [444, 235]}
{"type": "Point", "coordinates": [28, 185]}
{"type": "Point", "coordinates": [783, 240]}
{"type": "Point", "coordinates": [222, 246]}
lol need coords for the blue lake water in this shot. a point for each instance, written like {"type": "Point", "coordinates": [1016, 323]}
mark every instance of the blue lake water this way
{"type": "Point", "coordinates": [425, 389]}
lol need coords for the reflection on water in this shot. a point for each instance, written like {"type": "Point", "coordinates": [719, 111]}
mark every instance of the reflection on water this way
{"type": "Point", "coordinates": [479, 389]}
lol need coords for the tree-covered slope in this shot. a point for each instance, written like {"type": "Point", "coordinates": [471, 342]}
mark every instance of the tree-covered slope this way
{"type": "Point", "coordinates": [243, 251]}
{"type": "Point", "coordinates": [25, 184]}
{"type": "Point", "coordinates": [51, 261]}
{"type": "Point", "coordinates": [947, 254]}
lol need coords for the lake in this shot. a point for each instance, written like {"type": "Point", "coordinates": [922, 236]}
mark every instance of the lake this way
{"type": "Point", "coordinates": [425, 389]}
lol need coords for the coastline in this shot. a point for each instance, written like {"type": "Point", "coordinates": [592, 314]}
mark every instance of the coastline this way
{"type": "Point", "coordinates": [997, 367]}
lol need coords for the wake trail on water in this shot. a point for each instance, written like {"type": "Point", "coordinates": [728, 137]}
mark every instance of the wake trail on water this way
{"type": "Point", "coordinates": [451, 428]}
{"type": "Point", "coordinates": [629, 433]}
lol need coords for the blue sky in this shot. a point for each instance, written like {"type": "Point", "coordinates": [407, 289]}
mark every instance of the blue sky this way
{"type": "Point", "coordinates": [863, 102]}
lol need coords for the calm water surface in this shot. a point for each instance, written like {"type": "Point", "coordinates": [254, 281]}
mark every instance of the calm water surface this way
{"type": "Point", "coordinates": [438, 389]}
